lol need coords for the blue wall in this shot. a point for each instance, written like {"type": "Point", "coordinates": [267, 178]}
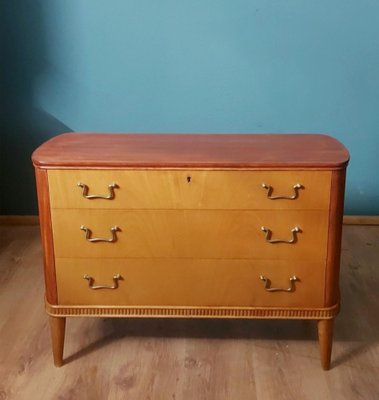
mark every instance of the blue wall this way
{"type": "Point", "coordinates": [191, 66]}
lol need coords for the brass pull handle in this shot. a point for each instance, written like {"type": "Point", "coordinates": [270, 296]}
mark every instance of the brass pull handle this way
{"type": "Point", "coordinates": [268, 232]}
{"type": "Point", "coordinates": [295, 195]}
{"type": "Point", "coordinates": [88, 232]}
{"type": "Point", "coordinates": [110, 196]}
{"type": "Point", "coordinates": [91, 282]}
{"type": "Point", "coordinates": [267, 284]}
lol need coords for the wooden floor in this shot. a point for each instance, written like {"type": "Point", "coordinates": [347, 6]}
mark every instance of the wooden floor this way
{"type": "Point", "coordinates": [186, 359]}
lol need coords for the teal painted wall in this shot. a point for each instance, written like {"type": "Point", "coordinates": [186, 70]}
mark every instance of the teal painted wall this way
{"type": "Point", "coordinates": [189, 66]}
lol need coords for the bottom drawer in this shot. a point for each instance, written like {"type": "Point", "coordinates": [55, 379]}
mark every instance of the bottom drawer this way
{"type": "Point", "coordinates": [189, 282]}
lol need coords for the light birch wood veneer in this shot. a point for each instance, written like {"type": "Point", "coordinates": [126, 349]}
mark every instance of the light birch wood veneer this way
{"type": "Point", "coordinates": [205, 226]}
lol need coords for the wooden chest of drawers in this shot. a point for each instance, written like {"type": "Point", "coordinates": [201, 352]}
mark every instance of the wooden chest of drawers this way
{"type": "Point", "coordinates": [207, 226]}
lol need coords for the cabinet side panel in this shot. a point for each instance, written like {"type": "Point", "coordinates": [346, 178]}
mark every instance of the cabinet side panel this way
{"type": "Point", "coordinates": [334, 237]}
{"type": "Point", "coordinates": [46, 235]}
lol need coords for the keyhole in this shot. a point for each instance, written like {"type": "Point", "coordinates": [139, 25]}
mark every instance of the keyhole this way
{"type": "Point", "coordinates": [188, 179]}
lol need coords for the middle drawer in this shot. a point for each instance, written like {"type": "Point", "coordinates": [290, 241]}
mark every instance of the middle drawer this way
{"type": "Point", "coordinates": [190, 234]}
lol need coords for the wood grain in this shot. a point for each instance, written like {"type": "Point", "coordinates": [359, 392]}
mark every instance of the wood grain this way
{"type": "Point", "coordinates": [46, 234]}
{"type": "Point", "coordinates": [193, 312]}
{"type": "Point", "coordinates": [34, 220]}
{"type": "Point", "coordinates": [57, 330]}
{"type": "Point", "coordinates": [178, 282]}
{"type": "Point", "coordinates": [325, 337]}
{"type": "Point", "coordinates": [191, 234]}
{"type": "Point", "coordinates": [190, 189]}
{"type": "Point", "coordinates": [186, 358]}
{"type": "Point", "coordinates": [91, 150]}
{"type": "Point", "coordinates": [195, 224]}
{"type": "Point", "coordinates": [332, 291]}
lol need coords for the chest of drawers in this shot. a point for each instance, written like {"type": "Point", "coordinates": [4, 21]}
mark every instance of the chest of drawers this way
{"type": "Point", "coordinates": [205, 226]}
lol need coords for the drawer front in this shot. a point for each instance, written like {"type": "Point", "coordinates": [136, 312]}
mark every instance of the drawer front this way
{"type": "Point", "coordinates": [190, 233]}
{"type": "Point", "coordinates": [180, 189]}
{"type": "Point", "coordinates": [188, 282]}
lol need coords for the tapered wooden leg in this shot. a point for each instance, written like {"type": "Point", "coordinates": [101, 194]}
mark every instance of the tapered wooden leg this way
{"type": "Point", "coordinates": [325, 339]}
{"type": "Point", "coordinates": [57, 329]}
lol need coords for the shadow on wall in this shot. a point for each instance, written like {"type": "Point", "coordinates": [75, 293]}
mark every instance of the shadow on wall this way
{"type": "Point", "coordinates": [23, 126]}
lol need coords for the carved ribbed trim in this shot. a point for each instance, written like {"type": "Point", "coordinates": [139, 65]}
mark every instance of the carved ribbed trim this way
{"type": "Point", "coordinates": [194, 312]}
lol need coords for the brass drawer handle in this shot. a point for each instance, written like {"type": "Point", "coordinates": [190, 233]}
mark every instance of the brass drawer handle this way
{"type": "Point", "coordinates": [91, 282]}
{"type": "Point", "coordinates": [268, 232]}
{"type": "Point", "coordinates": [88, 232]}
{"type": "Point", "coordinates": [110, 196]}
{"type": "Point", "coordinates": [267, 284]}
{"type": "Point", "coordinates": [295, 195]}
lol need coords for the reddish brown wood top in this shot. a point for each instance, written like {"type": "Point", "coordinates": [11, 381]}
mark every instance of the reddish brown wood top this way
{"type": "Point", "coordinates": [94, 150]}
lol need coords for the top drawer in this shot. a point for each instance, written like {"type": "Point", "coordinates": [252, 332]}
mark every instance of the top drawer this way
{"type": "Point", "coordinates": [189, 189]}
